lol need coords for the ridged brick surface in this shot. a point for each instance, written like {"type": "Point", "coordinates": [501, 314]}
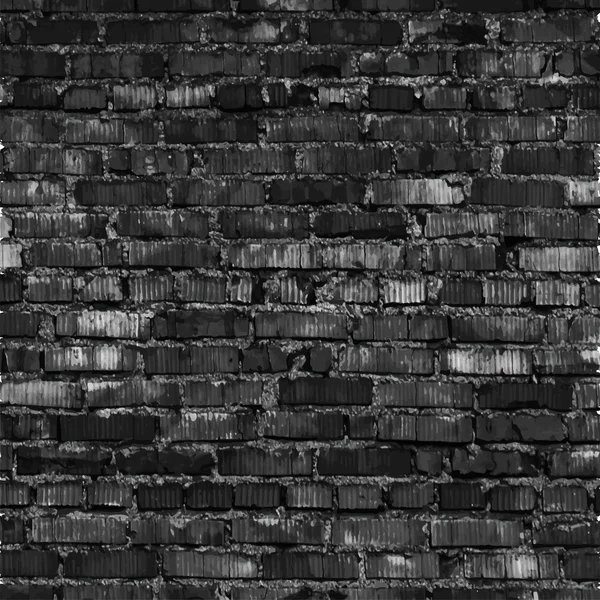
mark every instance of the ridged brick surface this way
{"type": "Point", "coordinates": [299, 300]}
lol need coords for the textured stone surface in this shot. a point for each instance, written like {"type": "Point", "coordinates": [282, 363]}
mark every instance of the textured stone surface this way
{"type": "Point", "coordinates": [298, 300]}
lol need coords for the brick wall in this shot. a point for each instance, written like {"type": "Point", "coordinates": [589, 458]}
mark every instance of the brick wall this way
{"type": "Point", "coordinates": [299, 300]}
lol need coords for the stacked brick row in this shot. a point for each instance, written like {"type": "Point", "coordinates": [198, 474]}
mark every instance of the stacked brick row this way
{"type": "Point", "coordinates": [299, 300]}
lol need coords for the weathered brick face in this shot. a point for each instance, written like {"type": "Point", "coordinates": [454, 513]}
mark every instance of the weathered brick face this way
{"type": "Point", "coordinates": [298, 300]}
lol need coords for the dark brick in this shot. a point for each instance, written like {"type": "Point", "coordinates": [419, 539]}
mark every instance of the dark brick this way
{"type": "Point", "coordinates": [205, 494]}
{"type": "Point", "coordinates": [130, 564]}
{"type": "Point", "coordinates": [371, 460]}
{"type": "Point", "coordinates": [166, 496]}
{"type": "Point", "coordinates": [325, 391]}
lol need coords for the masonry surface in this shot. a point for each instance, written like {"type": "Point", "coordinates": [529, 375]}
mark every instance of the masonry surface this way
{"type": "Point", "coordinates": [299, 300]}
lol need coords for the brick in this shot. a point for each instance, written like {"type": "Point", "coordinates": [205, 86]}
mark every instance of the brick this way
{"type": "Point", "coordinates": [498, 329]}
{"type": "Point", "coordinates": [257, 495]}
{"type": "Point", "coordinates": [199, 64]}
{"type": "Point", "coordinates": [246, 224]}
{"type": "Point", "coordinates": [303, 425]}
{"type": "Point", "coordinates": [290, 192]}
{"type": "Point", "coordinates": [168, 530]}
{"type": "Point", "coordinates": [473, 533]}
{"type": "Point", "coordinates": [557, 293]}
{"type": "Point", "coordinates": [567, 161]}
{"type": "Point", "coordinates": [512, 129]}
{"type": "Point", "coordinates": [345, 160]}
{"type": "Point", "coordinates": [357, 498]}
{"type": "Point", "coordinates": [31, 193]}
{"type": "Point", "coordinates": [581, 566]}
{"type": "Point", "coordinates": [294, 64]}
{"type": "Point", "coordinates": [391, 98]}
{"type": "Point", "coordinates": [404, 128]}
{"type": "Point", "coordinates": [409, 495]}
{"type": "Point", "coordinates": [300, 325]}
{"type": "Point", "coordinates": [491, 362]}
{"type": "Point", "coordinates": [131, 592]}
{"type": "Point", "coordinates": [32, 63]}
{"type": "Point", "coordinates": [53, 32]}
{"type": "Point", "coordinates": [186, 131]}
{"type": "Point", "coordinates": [325, 391]}
{"type": "Point", "coordinates": [435, 62]}
{"type": "Point", "coordinates": [375, 327]}
{"type": "Point", "coordinates": [585, 129]}
{"type": "Point", "coordinates": [512, 498]}
{"type": "Point", "coordinates": [309, 496]}
{"type": "Point", "coordinates": [501, 428]}
{"type": "Point", "coordinates": [201, 427]}
{"type": "Point", "coordinates": [559, 259]}
{"type": "Point", "coordinates": [121, 64]}
{"type": "Point", "coordinates": [501, 98]}
{"type": "Point", "coordinates": [103, 324]}
{"type": "Point", "coordinates": [425, 394]}
{"type": "Point", "coordinates": [179, 5]}
{"type": "Point", "coordinates": [134, 564]}
{"type": "Point", "coordinates": [34, 461]}
{"type": "Point", "coordinates": [312, 129]}
{"type": "Point", "coordinates": [27, 95]}
{"type": "Point", "coordinates": [210, 565]}
{"type": "Point", "coordinates": [209, 495]}
{"type": "Point", "coordinates": [441, 160]}
{"type": "Point", "coordinates": [49, 226]}
{"type": "Point", "coordinates": [222, 359]}
{"type": "Point", "coordinates": [470, 31]}
{"type": "Point", "coordinates": [102, 289]}
{"type": "Point", "coordinates": [515, 193]}
{"type": "Point", "coordinates": [564, 499]}
{"type": "Point", "coordinates": [399, 566]}
{"type": "Point", "coordinates": [462, 496]}
{"type": "Point", "coordinates": [223, 393]}
{"type": "Point", "coordinates": [13, 494]}
{"type": "Point", "coordinates": [172, 254]}
{"type": "Point", "coordinates": [552, 30]}
{"type": "Point", "coordinates": [415, 192]}
{"type": "Point", "coordinates": [457, 292]}
{"type": "Point", "coordinates": [386, 360]}
{"type": "Point", "coordinates": [108, 494]}
{"type": "Point", "coordinates": [366, 531]}
{"type": "Point", "coordinates": [60, 494]}
{"type": "Point", "coordinates": [445, 429]}
{"type": "Point", "coordinates": [29, 563]}
{"type": "Point", "coordinates": [516, 566]}
{"type": "Point", "coordinates": [90, 358]}
{"type": "Point", "coordinates": [461, 258]}
{"type": "Point", "coordinates": [69, 530]}
{"type": "Point", "coordinates": [445, 98]}
{"type": "Point", "coordinates": [583, 193]}
{"type": "Point", "coordinates": [384, 33]}
{"type": "Point", "coordinates": [541, 226]}
{"type": "Point", "coordinates": [277, 531]}
{"type": "Point", "coordinates": [197, 324]}
{"type": "Point", "coordinates": [51, 394]}
{"type": "Point", "coordinates": [511, 396]}
{"type": "Point", "coordinates": [364, 461]}
{"type": "Point", "coordinates": [310, 565]}
{"type": "Point", "coordinates": [255, 461]}
{"type": "Point", "coordinates": [111, 428]}
{"type": "Point", "coordinates": [388, 5]}
{"type": "Point", "coordinates": [521, 63]}
{"type": "Point", "coordinates": [455, 225]}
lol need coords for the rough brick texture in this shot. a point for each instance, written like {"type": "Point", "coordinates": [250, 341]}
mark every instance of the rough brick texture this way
{"type": "Point", "coordinates": [299, 300]}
